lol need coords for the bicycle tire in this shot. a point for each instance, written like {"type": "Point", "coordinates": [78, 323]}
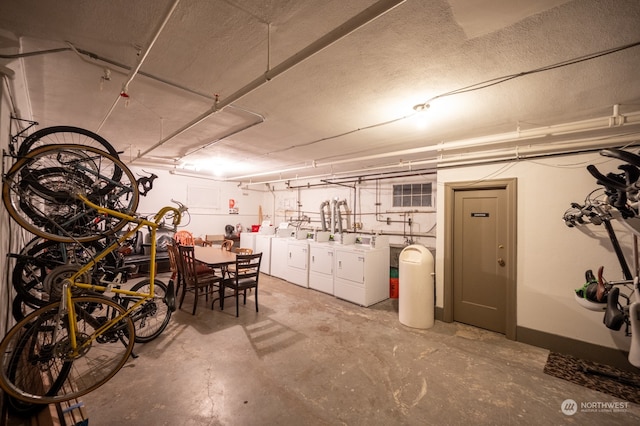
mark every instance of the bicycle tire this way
{"type": "Point", "coordinates": [68, 135]}
{"type": "Point", "coordinates": [36, 351]}
{"type": "Point", "coordinates": [41, 256]}
{"type": "Point", "coordinates": [153, 316]}
{"type": "Point", "coordinates": [65, 135]}
{"type": "Point", "coordinates": [39, 192]}
{"type": "Point", "coordinates": [20, 308]}
{"type": "Point", "coordinates": [21, 407]}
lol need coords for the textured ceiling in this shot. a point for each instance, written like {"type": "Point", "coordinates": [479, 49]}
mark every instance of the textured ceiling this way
{"type": "Point", "coordinates": [284, 112]}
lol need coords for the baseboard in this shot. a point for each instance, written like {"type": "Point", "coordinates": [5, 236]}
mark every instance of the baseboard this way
{"type": "Point", "coordinates": [583, 350]}
{"type": "Point", "coordinates": [565, 345]}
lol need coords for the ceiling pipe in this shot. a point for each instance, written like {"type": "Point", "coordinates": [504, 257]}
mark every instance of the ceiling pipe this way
{"type": "Point", "coordinates": [513, 154]}
{"type": "Point", "coordinates": [558, 130]}
{"type": "Point", "coordinates": [565, 129]}
{"type": "Point", "coordinates": [141, 59]}
{"type": "Point", "coordinates": [221, 138]}
{"type": "Point", "coordinates": [371, 13]}
{"type": "Point", "coordinates": [526, 152]}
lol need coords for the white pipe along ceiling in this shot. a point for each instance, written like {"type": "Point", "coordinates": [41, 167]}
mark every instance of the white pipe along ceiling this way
{"type": "Point", "coordinates": [361, 86]}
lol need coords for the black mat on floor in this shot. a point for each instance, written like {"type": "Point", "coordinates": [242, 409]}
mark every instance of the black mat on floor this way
{"type": "Point", "coordinates": [621, 384]}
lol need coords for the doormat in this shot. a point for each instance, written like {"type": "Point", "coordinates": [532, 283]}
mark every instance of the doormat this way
{"type": "Point", "coordinates": [603, 378]}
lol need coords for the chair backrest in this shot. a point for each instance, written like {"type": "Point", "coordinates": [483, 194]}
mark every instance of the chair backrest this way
{"type": "Point", "coordinates": [184, 238]}
{"type": "Point", "coordinates": [242, 250]}
{"type": "Point", "coordinates": [216, 239]}
{"type": "Point", "coordinates": [188, 261]}
{"type": "Point", "coordinates": [173, 258]}
{"type": "Point", "coordinates": [248, 266]}
{"type": "Point", "coordinates": [226, 245]}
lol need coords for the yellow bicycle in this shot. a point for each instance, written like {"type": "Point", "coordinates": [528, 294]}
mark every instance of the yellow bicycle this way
{"type": "Point", "coordinates": [74, 345]}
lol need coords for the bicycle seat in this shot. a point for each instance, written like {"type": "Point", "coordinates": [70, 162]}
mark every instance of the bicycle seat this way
{"type": "Point", "coordinates": [613, 316]}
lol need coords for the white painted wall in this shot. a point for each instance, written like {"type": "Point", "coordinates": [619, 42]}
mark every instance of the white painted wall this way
{"type": "Point", "coordinates": [370, 204]}
{"type": "Point", "coordinates": [12, 236]}
{"type": "Point", "coordinates": [208, 201]}
{"type": "Point", "coordinates": [552, 257]}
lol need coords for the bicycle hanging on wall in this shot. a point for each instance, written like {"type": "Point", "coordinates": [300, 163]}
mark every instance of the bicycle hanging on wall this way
{"type": "Point", "coordinates": [76, 198]}
{"type": "Point", "coordinates": [615, 201]}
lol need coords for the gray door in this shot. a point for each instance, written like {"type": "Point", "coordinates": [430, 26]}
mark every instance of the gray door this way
{"type": "Point", "coordinates": [480, 258]}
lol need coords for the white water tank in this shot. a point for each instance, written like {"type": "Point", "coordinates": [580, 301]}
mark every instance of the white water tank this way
{"type": "Point", "coordinates": [416, 286]}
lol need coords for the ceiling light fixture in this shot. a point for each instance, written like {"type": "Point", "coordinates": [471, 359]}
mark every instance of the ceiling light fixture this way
{"type": "Point", "coordinates": [421, 107]}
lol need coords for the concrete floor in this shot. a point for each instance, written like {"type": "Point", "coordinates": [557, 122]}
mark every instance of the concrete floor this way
{"type": "Point", "coordinates": [309, 359]}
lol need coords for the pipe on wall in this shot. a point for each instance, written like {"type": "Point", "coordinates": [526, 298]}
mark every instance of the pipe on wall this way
{"type": "Point", "coordinates": [569, 137]}
{"type": "Point", "coordinates": [323, 218]}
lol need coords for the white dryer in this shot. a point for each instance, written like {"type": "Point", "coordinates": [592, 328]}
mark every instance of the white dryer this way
{"type": "Point", "coordinates": [298, 262]}
{"type": "Point", "coordinates": [321, 266]}
{"type": "Point", "coordinates": [362, 273]}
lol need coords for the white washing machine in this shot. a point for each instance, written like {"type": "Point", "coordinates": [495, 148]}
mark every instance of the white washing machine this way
{"type": "Point", "coordinates": [321, 266]}
{"type": "Point", "coordinates": [279, 257]}
{"type": "Point", "coordinates": [248, 240]}
{"type": "Point", "coordinates": [298, 262]}
{"type": "Point", "coordinates": [362, 273]}
{"type": "Point", "coordinates": [263, 245]}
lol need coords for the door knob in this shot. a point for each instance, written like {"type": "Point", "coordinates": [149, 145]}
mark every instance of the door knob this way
{"type": "Point", "coordinates": [501, 261]}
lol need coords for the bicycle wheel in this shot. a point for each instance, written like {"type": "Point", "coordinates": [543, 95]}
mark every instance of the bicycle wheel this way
{"type": "Point", "coordinates": [39, 192]}
{"type": "Point", "coordinates": [20, 308]}
{"type": "Point", "coordinates": [40, 257]}
{"type": "Point", "coordinates": [69, 135]}
{"type": "Point", "coordinates": [38, 364]}
{"type": "Point", "coordinates": [153, 316]}
{"type": "Point", "coordinates": [65, 135]}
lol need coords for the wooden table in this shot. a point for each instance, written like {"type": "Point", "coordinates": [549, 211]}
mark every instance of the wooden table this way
{"type": "Point", "coordinates": [215, 257]}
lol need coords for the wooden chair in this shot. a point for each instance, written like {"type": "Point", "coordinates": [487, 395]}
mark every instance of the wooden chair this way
{"type": "Point", "coordinates": [197, 276]}
{"type": "Point", "coordinates": [245, 277]}
{"type": "Point", "coordinates": [184, 238]}
{"type": "Point", "coordinates": [176, 273]}
{"type": "Point", "coordinates": [210, 239]}
{"type": "Point", "coordinates": [240, 250]}
{"type": "Point", "coordinates": [227, 245]}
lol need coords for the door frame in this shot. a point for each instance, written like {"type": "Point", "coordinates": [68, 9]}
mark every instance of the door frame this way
{"type": "Point", "coordinates": [510, 186]}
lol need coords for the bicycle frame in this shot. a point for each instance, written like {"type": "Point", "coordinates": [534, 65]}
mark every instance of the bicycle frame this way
{"type": "Point", "coordinates": [67, 307]}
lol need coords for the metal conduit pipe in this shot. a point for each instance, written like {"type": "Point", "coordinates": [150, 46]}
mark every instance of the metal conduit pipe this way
{"type": "Point", "coordinates": [323, 218]}
{"type": "Point", "coordinates": [566, 129]}
{"type": "Point", "coordinates": [590, 125]}
{"type": "Point", "coordinates": [522, 153]}
{"type": "Point", "coordinates": [512, 154]}
{"type": "Point", "coordinates": [333, 215]}
{"type": "Point", "coordinates": [339, 204]}
{"type": "Point", "coordinates": [369, 14]}
{"type": "Point", "coordinates": [143, 57]}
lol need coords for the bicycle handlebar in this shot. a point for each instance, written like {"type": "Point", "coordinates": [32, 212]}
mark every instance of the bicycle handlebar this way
{"type": "Point", "coordinates": [165, 211]}
{"type": "Point", "coordinates": [605, 180]}
{"type": "Point", "coordinates": [620, 154]}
